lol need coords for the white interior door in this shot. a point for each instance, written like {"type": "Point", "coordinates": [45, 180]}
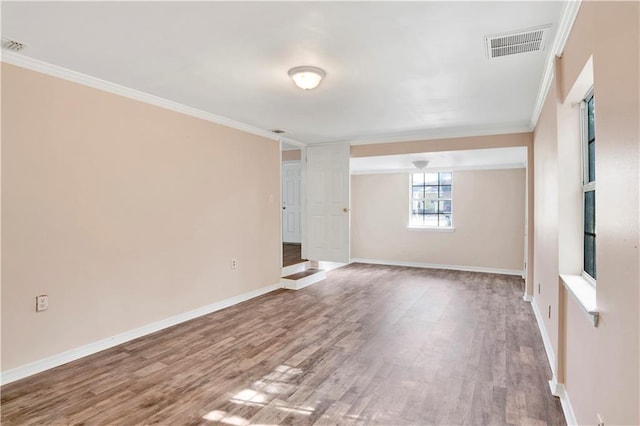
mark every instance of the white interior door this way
{"type": "Point", "coordinates": [327, 203]}
{"type": "Point", "coordinates": [291, 202]}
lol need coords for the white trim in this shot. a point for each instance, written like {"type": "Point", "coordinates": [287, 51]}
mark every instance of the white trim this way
{"type": "Point", "coordinates": [438, 266]}
{"type": "Point", "coordinates": [527, 298]}
{"type": "Point", "coordinates": [35, 367]}
{"type": "Point", "coordinates": [326, 265]}
{"type": "Point", "coordinates": [558, 389]}
{"type": "Point", "coordinates": [107, 86]}
{"type": "Point", "coordinates": [290, 141]}
{"type": "Point", "coordinates": [567, 18]}
{"type": "Point", "coordinates": [585, 294]}
{"type": "Point", "coordinates": [303, 282]}
{"type": "Point", "coordinates": [294, 269]}
{"type": "Point", "coordinates": [545, 337]}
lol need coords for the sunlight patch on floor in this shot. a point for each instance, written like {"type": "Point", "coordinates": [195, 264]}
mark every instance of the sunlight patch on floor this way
{"type": "Point", "coordinates": [263, 393]}
{"type": "Point", "coordinates": [224, 417]}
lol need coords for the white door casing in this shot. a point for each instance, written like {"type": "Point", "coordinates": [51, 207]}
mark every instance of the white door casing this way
{"type": "Point", "coordinates": [291, 202]}
{"type": "Point", "coordinates": [327, 203]}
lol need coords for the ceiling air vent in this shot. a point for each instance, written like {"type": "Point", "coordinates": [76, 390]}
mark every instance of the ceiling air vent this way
{"type": "Point", "coordinates": [16, 46]}
{"type": "Point", "coordinates": [531, 40]}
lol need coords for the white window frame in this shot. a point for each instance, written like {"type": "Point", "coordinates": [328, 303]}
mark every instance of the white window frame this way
{"type": "Point", "coordinates": [411, 199]}
{"type": "Point", "coordinates": [586, 185]}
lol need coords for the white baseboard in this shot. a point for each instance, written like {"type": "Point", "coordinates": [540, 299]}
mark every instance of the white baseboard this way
{"type": "Point", "coordinates": [326, 265]}
{"type": "Point", "coordinates": [558, 389]}
{"type": "Point", "coordinates": [439, 266]}
{"type": "Point", "coordinates": [77, 353]}
{"type": "Point", "coordinates": [527, 298]}
{"type": "Point", "coordinates": [545, 337]}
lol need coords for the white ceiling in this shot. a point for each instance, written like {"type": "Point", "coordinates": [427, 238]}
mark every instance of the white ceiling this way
{"type": "Point", "coordinates": [395, 70]}
{"type": "Point", "coordinates": [494, 158]}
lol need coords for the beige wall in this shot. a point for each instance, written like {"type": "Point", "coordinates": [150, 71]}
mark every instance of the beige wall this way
{"type": "Point", "coordinates": [600, 367]}
{"type": "Point", "coordinates": [488, 211]}
{"type": "Point", "coordinates": [545, 239]}
{"type": "Point", "coordinates": [449, 144]}
{"type": "Point", "coordinates": [123, 213]}
{"type": "Point", "coordinates": [291, 155]}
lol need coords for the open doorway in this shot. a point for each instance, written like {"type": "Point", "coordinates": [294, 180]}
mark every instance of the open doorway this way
{"type": "Point", "coordinates": [291, 205]}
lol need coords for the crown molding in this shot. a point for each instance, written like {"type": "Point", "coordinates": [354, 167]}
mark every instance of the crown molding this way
{"type": "Point", "coordinates": [107, 86]}
{"type": "Point", "coordinates": [447, 133]}
{"type": "Point", "coordinates": [293, 142]}
{"type": "Point", "coordinates": [567, 18]}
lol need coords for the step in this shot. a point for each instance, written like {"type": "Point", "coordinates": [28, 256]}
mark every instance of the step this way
{"type": "Point", "coordinates": [298, 267]}
{"type": "Point", "coordinates": [303, 279]}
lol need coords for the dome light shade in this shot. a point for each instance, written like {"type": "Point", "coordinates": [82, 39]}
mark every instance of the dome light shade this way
{"type": "Point", "coordinates": [420, 164]}
{"type": "Point", "coordinates": [307, 77]}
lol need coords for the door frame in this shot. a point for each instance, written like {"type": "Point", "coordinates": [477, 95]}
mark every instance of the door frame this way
{"type": "Point", "coordinates": [303, 194]}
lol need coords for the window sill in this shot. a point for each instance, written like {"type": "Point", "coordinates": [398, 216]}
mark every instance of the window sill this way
{"type": "Point", "coordinates": [584, 292]}
{"type": "Point", "coordinates": [430, 228]}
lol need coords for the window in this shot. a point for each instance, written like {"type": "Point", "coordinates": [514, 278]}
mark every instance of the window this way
{"type": "Point", "coordinates": [589, 184]}
{"type": "Point", "coordinates": [431, 200]}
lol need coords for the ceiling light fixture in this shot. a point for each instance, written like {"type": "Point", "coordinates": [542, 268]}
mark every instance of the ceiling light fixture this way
{"type": "Point", "coordinates": [307, 77]}
{"type": "Point", "coordinates": [420, 164]}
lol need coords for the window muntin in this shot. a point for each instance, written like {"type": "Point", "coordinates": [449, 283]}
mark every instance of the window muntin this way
{"type": "Point", "coordinates": [431, 204]}
{"type": "Point", "coordinates": [589, 187]}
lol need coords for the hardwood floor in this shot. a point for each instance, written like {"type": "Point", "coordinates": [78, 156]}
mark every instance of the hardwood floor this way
{"type": "Point", "coordinates": [369, 345]}
{"type": "Point", "coordinates": [291, 254]}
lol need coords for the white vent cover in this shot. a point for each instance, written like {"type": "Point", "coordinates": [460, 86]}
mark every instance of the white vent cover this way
{"type": "Point", "coordinates": [16, 46]}
{"type": "Point", "coordinates": [531, 40]}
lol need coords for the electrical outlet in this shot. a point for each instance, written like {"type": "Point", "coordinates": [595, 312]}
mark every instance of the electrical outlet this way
{"type": "Point", "coordinates": [234, 263]}
{"type": "Point", "coordinates": [42, 303]}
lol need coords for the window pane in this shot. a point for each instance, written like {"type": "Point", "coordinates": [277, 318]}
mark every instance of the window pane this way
{"type": "Point", "coordinates": [592, 161]}
{"type": "Point", "coordinates": [416, 206]}
{"type": "Point", "coordinates": [417, 179]}
{"type": "Point", "coordinates": [431, 178]}
{"type": "Point", "coordinates": [590, 212]}
{"type": "Point", "coordinates": [417, 192]}
{"type": "Point", "coordinates": [444, 219]}
{"type": "Point", "coordinates": [417, 219]}
{"type": "Point", "coordinates": [445, 191]}
{"type": "Point", "coordinates": [591, 114]}
{"type": "Point", "coordinates": [431, 220]}
{"type": "Point", "coordinates": [590, 255]}
{"type": "Point", "coordinates": [430, 206]}
{"type": "Point", "coordinates": [445, 178]}
{"type": "Point", "coordinates": [445, 206]}
{"type": "Point", "coordinates": [431, 192]}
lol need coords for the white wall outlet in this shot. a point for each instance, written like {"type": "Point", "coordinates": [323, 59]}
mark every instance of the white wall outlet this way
{"type": "Point", "coordinates": [234, 263]}
{"type": "Point", "coordinates": [42, 303]}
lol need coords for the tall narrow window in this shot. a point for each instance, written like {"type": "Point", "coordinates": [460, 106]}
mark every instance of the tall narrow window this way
{"type": "Point", "coordinates": [589, 184]}
{"type": "Point", "coordinates": [431, 200]}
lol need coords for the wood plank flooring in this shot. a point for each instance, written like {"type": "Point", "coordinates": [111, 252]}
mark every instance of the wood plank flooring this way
{"type": "Point", "coordinates": [291, 254]}
{"type": "Point", "coordinates": [369, 345]}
